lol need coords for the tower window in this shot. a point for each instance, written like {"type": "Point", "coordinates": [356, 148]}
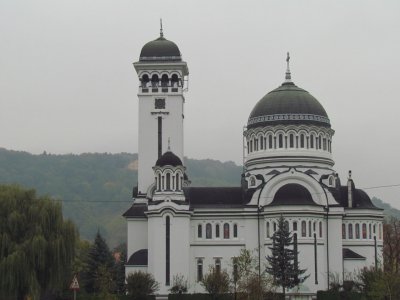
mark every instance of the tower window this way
{"type": "Point", "coordinates": [174, 80]}
{"type": "Point", "coordinates": [268, 234]}
{"type": "Point", "coordinates": [145, 80]}
{"type": "Point", "coordinates": [226, 231]}
{"type": "Point", "coordinates": [291, 141]}
{"type": "Point", "coordinates": [208, 231]}
{"type": "Point", "coordinates": [350, 231]}
{"type": "Point", "coordinates": [302, 141]}
{"type": "Point", "coordinates": [294, 226]}
{"type": "Point", "coordinates": [280, 141]}
{"type": "Point", "coordinates": [235, 231]}
{"type": "Point", "coordinates": [154, 81]}
{"type": "Point", "coordinates": [357, 231]}
{"type": "Point", "coordinates": [364, 231]}
{"type": "Point", "coordinates": [370, 231]}
{"type": "Point", "coordinates": [320, 229]}
{"type": "Point", "coordinates": [164, 80]}
{"type": "Point", "coordinates": [199, 231]}
{"type": "Point", "coordinates": [261, 143]}
{"type": "Point", "coordinates": [270, 142]}
{"type": "Point", "coordinates": [159, 103]}
{"type": "Point", "coordinates": [309, 228]}
{"type": "Point", "coordinates": [344, 231]}
{"type": "Point", "coordinates": [312, 141]}
{"type": "Point", "coordinates": [217, 231]}
{"type": "Point", "coordinates": [168, 182]}
{"type": "Point", "coordinates": [199, 269]}
{"type": "Point", "coordinates": [303, 229]}
{"type": "Point", "coordinates": [177, 182]}
{"type": "Point", "coordinates": [218, 265]}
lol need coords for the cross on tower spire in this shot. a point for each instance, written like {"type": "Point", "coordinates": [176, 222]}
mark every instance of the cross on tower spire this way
{"type": "Point", "coordinates": [288, 76]}
{"type": "Point", "coordinates": [161, 29]}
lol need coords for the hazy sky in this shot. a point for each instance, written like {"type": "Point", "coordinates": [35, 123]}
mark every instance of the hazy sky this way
{"type": "Point", "coordinates": [67, 84]}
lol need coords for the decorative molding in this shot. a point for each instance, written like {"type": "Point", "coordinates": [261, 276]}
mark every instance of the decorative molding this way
{"type": "Point", "coordinates": [288, 117]}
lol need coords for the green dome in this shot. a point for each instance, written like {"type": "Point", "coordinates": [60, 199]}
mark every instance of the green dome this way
{"type": "Point", "coordinates": [160, 49]}
{"type": "Point", "coordinates": [288, 104]}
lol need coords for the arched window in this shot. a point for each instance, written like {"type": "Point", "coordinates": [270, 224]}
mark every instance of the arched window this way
{"type": "Point", "coordinates": [218, 265]}
{"type": "Point", "coordinates": [294, 226]}
{"type": "Point", "coordinates": [343, 231]}
{"type": "Point", "coordinates": [270, 144]}
{"type": "Point", "coordinates": [370, 231]}
{"type": "Point", "coordinates": [208, 231]}
{"type": "Point", "coordinates": [164, 80]}
{"type": "Point", "coordinates": [159, 182]}
{"type": "Point", "coordinates": [274, 227]}
{"type": "Point", "coordinates": [309, 228]}
{"type": "Point", "coordinates": [330, 180]}
{"type": "Point", "coordinates": [314, 226]}
{"type": "Point", "coordinates": [380, 231]}
{"type": "Point", "coordinates": [174, 80]}
{"type": "Point", "coordinates": [226, 231]}
{"type": "Point", "coordinates": [280, 141]}
{"type": "Point", "coordinates": [302, 141]}
{"type": "Point", "coordinates": [286, 224]}
{"type": "Point", "coordinates": [168, 181]}
{"type": "Point", "coordinates": [255, 144]}
{"type": "Point", "coordinates": [357, 231]}
{"type": "Point", "coordinates": [324, 143]}
{"type": "Point", "coordinates": [350, 227]}
{"type": "Point", "coordinates": [268, 233]}
{"type": "Point", "coordinates": [364, 231]}
{"type": "Point", "coordinates": [251, 145]}
{"type": "Point", "coordinates": [199, 231]}
{"type": "Point", "coordinates": [261, 143]}
{"type": "Point", "coordinates": [319, 142]}
{"type": "Point", "coordinates": [145, 80]}
{"type": "Point", "coordinates": [199, 269]}
{"type": "Point", "coordinates": [177, 182]}
{"type": "Point", "coordinates": [217, 230]}
{"type": "Point", "coordinates": [311, 141]}
{"type": "Point", "coordinates": [154, 81]}
{"type": "Point", "coordinates": [235, 230]}
{"type": "Point", "coordinates": [291, 141]}
{"type": "Point", "coordinates": [303, 229]}
{"type": "Point", "coordinates": [320, 229]}
{"type": "Point", "coordinates": [374, 229]}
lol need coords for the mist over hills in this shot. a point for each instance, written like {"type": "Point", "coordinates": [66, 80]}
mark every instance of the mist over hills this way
{"type": "Point", "coordinates": [96, 188]}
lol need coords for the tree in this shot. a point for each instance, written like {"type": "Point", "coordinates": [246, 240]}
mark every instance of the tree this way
{"type": "Point", "coordinates": [216, 282]}
{"type": "Point", "coordinates": [119, 268]}
{"type": "Point", "coordinates": [37, 246]}
{"type": "Point", "coordinates": [179, 284]}
{"type": "Point", "coordinates": [99, 261]}
{"type": "Point", "coordinates": [246, 279]}
{"type": "Point", "coordinates": [140, 284]}
{"type": "Point", "coordinates": [283, 264]}
{"type": "Point", "coordinates": [377, 284]}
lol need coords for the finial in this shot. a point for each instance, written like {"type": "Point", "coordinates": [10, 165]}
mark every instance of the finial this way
{"type": "Point", "coordinates": [349, 174]}
{"type": "Point", "coordinates": [161, 30]}
{"type": "Point", "coordinates": [288, 77]}
{"type": "Point", "coordinates": [169, 144]}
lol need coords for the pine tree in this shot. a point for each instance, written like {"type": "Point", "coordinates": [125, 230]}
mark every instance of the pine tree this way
{"type": "Point", "coordinates": [99, 260]}
{"type": "Point", "coordinates": [283, 263]}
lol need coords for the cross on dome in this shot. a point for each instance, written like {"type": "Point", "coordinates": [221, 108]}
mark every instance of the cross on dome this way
{"type": "Point", "coordinates": [288, 77]}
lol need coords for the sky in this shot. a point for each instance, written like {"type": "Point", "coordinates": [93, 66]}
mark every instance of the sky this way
{"type": "Point", "coordinates": [67, 84]}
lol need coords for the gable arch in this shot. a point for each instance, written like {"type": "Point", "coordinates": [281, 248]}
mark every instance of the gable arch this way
{"type": "Point", "coordinates": [292, 177]}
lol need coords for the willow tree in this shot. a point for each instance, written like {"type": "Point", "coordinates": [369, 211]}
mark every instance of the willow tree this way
{"type": "Point", "coordinates": [36, 244]}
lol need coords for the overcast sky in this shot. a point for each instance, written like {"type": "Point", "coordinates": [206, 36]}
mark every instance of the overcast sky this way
{"type": "Point", "coordinates": [67, 84]}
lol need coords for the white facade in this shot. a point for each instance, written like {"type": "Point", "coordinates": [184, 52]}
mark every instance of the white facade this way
{"type": "Point", "coordinates": [175, 229]}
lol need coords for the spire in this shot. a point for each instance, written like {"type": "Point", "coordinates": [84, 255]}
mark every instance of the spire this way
{"type": "Point", "coordinates": [161, 29]}
{"type": "Point", "coordinates": [288, 76]}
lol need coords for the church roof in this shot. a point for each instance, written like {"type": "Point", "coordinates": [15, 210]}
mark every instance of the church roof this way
{"type": "Point", "coordinates": [292, 194]}
{"type": "Point", "coordinates": [136, 210]}
{"type": "Point", "coordinates": [160, 49]}
{"type": "Point", "coordinates": [139, 258]}
{"type": "Point", "coordinates": [350, 254]}
{"type": "Point", "coordinates": [169, 159]}
{"type": "Point", "coordinates": [214, 196]}
{"type": "Point", "coordinates": [288, 104]}
{"type": "Point", "coordinates": [360, 198]}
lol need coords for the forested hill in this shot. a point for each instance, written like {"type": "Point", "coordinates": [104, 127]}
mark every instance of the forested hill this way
{"type": "Point", "coordinates": [96, 188]}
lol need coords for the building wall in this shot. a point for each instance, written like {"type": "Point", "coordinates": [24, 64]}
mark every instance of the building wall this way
{"type": "Point", "coordinates": [136, 235]}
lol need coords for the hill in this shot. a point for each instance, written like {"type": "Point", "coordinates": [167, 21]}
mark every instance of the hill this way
{"type": "Point", "coordinates": [96, 188]}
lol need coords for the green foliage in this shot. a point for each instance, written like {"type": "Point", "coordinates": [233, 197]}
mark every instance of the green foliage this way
{"type": "Point", "coordinates": [179, 284]}
{"type": "Point", "coordinates": [377, 284]}
{"type": "Point", "coordinates": [140, 284]}
{"type": "Point", "coordinates": [283, 265]}
{"type": "Point", "coordinates": [119, 268]}
{"type": "Point", "coordinates": [216, 282]}
{"type": "Point", "coordinates": [247, 281]}
{"type": "Point", "coordinates": [97, 187]}
{"type": "Point", "coordinates": [37, 246]}
{"type": "Point", "coordinates": [100, 262]}
{"type": "Point", "coordinates": [336, 295]}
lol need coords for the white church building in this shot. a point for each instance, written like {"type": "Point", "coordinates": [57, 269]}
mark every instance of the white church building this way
{"type": "Point", "coordinates": [288, 170]}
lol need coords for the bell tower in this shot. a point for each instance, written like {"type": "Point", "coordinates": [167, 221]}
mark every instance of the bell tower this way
{"type": "Point", "coordinates": [163, 78]}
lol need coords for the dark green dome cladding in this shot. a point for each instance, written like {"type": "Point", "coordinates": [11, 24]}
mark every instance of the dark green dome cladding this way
{"type": "Point", "coordinates": [160, 49]}
{"type": "Point", "coordinates": [288, 104]}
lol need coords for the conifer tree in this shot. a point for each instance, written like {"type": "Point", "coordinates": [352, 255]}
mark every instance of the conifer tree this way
{"type": "Point", "coordinates": [283, 263]}
{"type": "Point", "coordinates": [100, 261]}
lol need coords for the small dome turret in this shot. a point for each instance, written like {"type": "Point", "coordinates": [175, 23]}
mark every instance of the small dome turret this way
{"type": "Point", "coordinates": [169, 159]}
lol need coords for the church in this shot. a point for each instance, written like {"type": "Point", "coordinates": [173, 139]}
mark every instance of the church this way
{"type": "Point", "coordinates": [173, 228]}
